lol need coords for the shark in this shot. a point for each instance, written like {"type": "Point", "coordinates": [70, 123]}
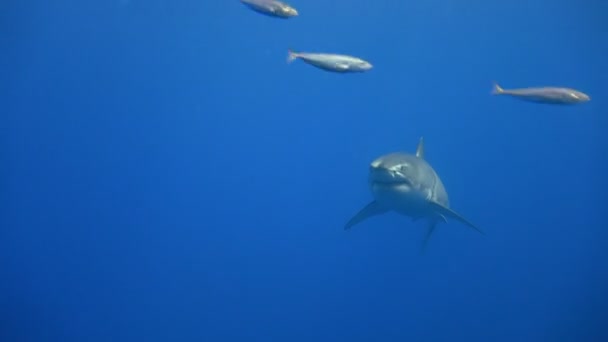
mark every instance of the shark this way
{"type": "Point", "coordinates": [407, 184]}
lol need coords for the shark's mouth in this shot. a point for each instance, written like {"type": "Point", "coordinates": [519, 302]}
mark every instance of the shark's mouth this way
{"type": "Point", "coordinates": [388, 177]}
{"type": "Point", "coordinates": [395, 182]}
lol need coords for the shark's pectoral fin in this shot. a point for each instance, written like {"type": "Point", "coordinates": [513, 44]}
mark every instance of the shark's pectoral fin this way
{"type": "Point", "coordinates": [440, 209]}
{"type": "Point", "coordinates": [372, 209]}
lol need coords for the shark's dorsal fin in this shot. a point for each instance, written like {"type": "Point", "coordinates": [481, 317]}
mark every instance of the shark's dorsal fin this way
{"type": "Point", "coordinates": [420, 149]}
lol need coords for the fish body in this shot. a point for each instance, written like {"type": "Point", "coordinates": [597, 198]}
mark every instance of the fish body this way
{"type": "Point", "coordinates": [407, 184]}
{"type": "Point", "coordinates": [272, 8]}
{"type": "Point", "coordinates": [331, 62]}
{"type": "Point", "coordinates": [548, 95]}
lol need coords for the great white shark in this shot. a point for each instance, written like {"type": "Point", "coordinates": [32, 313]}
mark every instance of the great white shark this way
{"type": "Point", "coordinates": [407, 184]}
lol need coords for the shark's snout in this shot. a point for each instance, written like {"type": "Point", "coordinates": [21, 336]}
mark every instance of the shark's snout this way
{"type": "Point", "coordinates": [376, 164]}
{"type": "Point", "coordinates": [377, 168]}
{"type": "Point", "coordinates": [378, 173]}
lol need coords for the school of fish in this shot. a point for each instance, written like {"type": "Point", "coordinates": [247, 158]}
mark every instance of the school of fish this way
{"type": "Point", "coordinates": [401, 182]}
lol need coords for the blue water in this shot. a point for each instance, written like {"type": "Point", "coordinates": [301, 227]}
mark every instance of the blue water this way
{"type": "Point", "coordinates": [167, 176]}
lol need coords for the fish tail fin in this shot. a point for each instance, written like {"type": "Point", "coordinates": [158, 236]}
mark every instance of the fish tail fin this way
{"type": "Point", "coordinates": [291, 55]}
{"type": "Point", "coordinates": [497, 89]}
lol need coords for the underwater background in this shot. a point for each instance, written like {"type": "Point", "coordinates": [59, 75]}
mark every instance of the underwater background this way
{"type": "Point", "coordinates": [167, 176]}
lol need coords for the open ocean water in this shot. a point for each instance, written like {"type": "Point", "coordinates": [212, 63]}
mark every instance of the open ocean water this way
{"type": "Point", "coordinates": [166, 175]}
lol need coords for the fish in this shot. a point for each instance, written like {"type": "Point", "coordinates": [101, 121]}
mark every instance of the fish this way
{"type": "Point", "coordinates": [272, 8]}
{"type": "Point", "coordinates": [331, 62]}
{"type": "Point", "coordinates": [408, 185]}
{"type": "Point", "coordinates": [548, 95]}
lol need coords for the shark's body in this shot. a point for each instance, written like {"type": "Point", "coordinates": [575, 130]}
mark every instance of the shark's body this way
{"type": "Point", "coordinates": [407, 184]}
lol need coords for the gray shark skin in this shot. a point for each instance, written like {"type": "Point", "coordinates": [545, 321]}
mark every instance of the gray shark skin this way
{"type": "Point", "coordinates": [272, 8]}
{"type": "Point", "coordinates": [407, 184]}
{"type": "Point", "coordinates": [331, 62]}
{"type": "Point", "coordinates": [547, 95]}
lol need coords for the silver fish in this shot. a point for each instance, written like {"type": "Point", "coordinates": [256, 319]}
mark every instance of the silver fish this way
{"type": "Point", "coordinates": [551, 95]}
{"type": "Point", "coordinates": [272, 8]}
{"type": "Point", "coordinates": [331, 62]}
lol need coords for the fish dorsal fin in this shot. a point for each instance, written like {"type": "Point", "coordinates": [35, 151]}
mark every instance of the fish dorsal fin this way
{"type": "Point", "coordinates": [420, 149]}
